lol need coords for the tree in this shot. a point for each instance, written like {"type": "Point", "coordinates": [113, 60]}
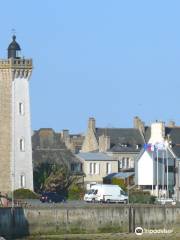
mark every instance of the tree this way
{"type": "Point", "coordinates": [41, 173]}
{"type": "Point", "coordinates": [59, 180]}
{"type": "Point", "coordinates": [53, 177]}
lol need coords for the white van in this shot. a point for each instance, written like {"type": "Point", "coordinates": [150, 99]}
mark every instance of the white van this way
{"type": "Point", "coordinates": [106, 193]}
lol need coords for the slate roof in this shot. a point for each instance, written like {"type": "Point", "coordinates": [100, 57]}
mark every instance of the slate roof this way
{"type": "Point", "coordinates": [94, 156]}
{"type": "Point", "coordinates": [48, 147]}
{"type": "Point", "coordinates": [119, 137]}
{"type": "Point", "coordinates": [174, 134]}
{"type": "Point", "coordinates": [121, 175]}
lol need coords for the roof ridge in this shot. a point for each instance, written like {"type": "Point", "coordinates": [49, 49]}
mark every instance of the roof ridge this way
{"type": "Point", "coordinates": [117, 128]}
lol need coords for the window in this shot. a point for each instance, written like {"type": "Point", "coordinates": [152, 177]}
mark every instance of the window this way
{"type": "Point", "coordinates": [97, 168]}
{"type": "Point", "coordinates": [127, 163]}
{"type": "Point", "coordinates": [21, 145]}
{"type": "Point", "coordinates": [22, 181]}
{"type": "Point", "coordinates": [131, 163]}
{"type": "Point", "coordinates": [76, 167]}
{"type": "Point", "coordinates": [120, 163]}
{"type": "Point", "coordinates": [108, 168]}
{"type": "Point", "coordinates": [94, 168]}
{"type": "Point", "coordinates": [123, 162]}
{"type": "Point", "coordinates": [90, 168]}
{"type": "Point", "coordinates": [21, 108]}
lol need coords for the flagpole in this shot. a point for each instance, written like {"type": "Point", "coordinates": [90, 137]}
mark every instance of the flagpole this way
{"type": "Point", "coordinates": [167, 174]}
{"type": "Point", "coordinates": [163, 172]}
{"type": "Point", "coordinates": [152, 172]}
{"type": "Point", "coordinates": [157, 173]}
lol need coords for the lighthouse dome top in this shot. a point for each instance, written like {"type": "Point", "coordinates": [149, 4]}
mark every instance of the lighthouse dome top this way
{"type": "Point", "coordinates": [13, 48]}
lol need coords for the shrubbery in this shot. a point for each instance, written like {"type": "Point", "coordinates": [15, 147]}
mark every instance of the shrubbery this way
{"type": "Point", "coordinates": [75, 192]}
{"type": "Point", "coordinates": [24, 194]}
{"type": "Point", "coordinates": [138, 196]}
{"type": "Point", "coordinates": [119, 182]}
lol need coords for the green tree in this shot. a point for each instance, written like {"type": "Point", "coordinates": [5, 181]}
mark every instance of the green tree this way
{"type": "Point", "coordinates": [53, 177]}
{"type": "Point", "coordinates": [41, 173]}
{"type": "Point", "coordinates": [59, 179]}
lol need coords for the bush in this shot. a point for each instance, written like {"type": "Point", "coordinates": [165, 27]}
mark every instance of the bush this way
{"type": "Point", "coordinates": [24, 194]}
{"type": "Point", "coordinates": [119, 182]}
{"type": "Point", "coordinates": [75, 192]}
{"type": "Point", "coordinates": [141, 197]}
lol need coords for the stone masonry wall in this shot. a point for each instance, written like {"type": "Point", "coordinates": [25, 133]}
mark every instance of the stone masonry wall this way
{"type": "Point", "coordinates": [5, 130]}
{"type": "Point", "coordinates": [87, 219]}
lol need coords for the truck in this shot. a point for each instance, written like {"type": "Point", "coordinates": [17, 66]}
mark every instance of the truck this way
{"type": "Point", "coordinates": [106, 193]}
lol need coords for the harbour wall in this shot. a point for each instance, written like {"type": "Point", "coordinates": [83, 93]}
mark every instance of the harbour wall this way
{"type": "Point", "coordinates": [87, 219]}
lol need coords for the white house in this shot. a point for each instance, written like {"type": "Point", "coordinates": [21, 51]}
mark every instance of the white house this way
{"type": "Point", "coordinates": [155, 165]}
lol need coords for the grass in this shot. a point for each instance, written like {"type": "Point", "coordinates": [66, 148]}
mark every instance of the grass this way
{"type": "Point", "coordinates": [107, 236]}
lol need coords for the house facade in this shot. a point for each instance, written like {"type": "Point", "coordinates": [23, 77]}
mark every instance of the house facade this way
{"type": "Point", "coordinates": [155, 172]}
{"type": "Point", "coordinates": [96, 166]}
{"type": "Point", "coordinates": [121, 144]}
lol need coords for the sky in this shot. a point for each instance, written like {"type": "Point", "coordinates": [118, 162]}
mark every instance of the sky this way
{"type": "Point", "coordinates": [108, 59]}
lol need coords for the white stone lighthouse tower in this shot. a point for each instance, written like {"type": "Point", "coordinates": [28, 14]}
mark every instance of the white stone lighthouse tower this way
{"type": "Point", "coordinates": [16, 169]}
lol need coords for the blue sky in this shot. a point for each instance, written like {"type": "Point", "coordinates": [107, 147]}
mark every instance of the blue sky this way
{"type": "Point", "coordinates": [111, 60]}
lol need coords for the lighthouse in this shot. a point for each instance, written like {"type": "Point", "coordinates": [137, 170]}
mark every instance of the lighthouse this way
{"type": "Point", "coordinates": [16, 170]}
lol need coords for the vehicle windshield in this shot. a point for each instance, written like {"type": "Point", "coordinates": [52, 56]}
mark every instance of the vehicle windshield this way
{"type": "Point", "coordinates": [123, 193]}
{"type": "Point", "coordinates": [92, 191]}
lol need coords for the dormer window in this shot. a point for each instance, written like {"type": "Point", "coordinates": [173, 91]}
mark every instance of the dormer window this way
{"type": "Point", "coordinates": [124, 145]}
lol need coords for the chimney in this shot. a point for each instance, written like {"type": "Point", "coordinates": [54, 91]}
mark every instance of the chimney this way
{"type": "Point", "coordinates": [65, 134]}
{"type": "Point", "coordinates": [171, 124]}
{"type": "Point", "coordinates": [157, 132]}
{"type": "Point", "coordinates": [66, 137]}
{"type": "Point", "coordinates": [92, 124]}
{"type": "Point", "coordinates": [138, 124]}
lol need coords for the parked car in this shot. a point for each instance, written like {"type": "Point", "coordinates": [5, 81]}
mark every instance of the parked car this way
{"type": "Point", "coordinates": [52, 197]}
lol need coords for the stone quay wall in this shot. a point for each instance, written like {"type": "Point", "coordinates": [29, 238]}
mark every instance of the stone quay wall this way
{"type": "Point", "coordinates": [87, 219]}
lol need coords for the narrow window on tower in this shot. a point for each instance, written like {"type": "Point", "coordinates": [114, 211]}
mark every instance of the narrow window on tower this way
{"type": "Point", "coordinates": [22, 145]}
{"type": "Point", "coordinates": [22, 181]}
{"type": "Point", "coordinates": [21, 108]}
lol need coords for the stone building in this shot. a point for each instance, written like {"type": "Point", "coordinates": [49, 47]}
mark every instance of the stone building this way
{"type": "Point", "coordinates": [48, 146]}
{"type": "Point", "coordinates": [72, 141]}
{"type": "Point", "coordinates": [122, 144]}
{"type": "Point", "coordinates": [96, 165]}
{"type": "Point", "coordinates": [15, 131]}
